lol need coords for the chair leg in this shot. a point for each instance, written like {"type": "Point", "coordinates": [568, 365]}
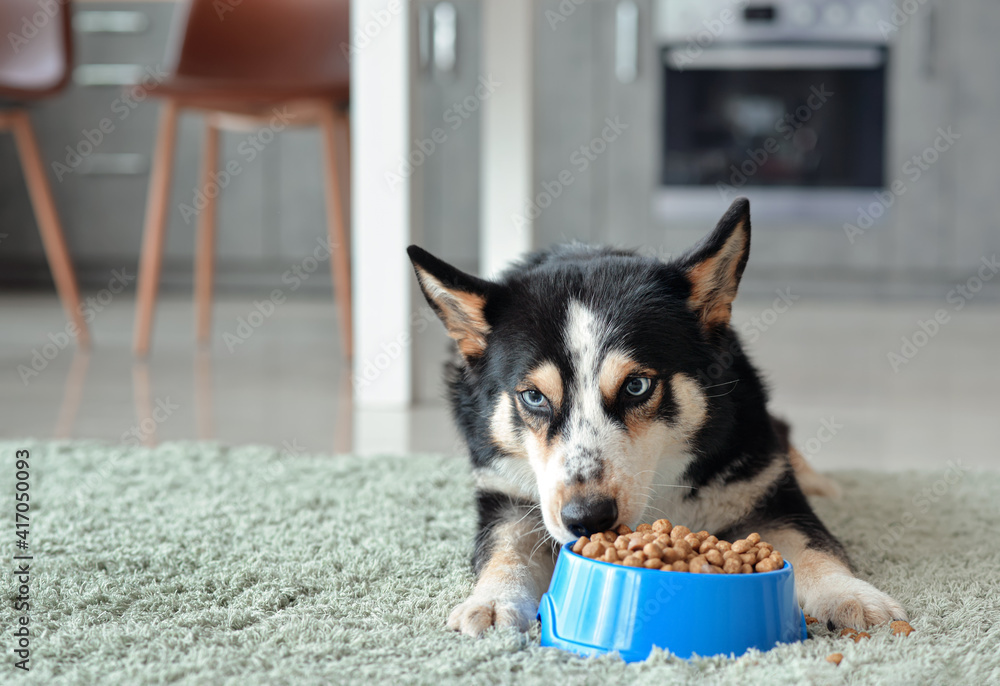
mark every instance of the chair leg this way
{"type": "Point", "coordinates": [204, 257]}
{"type": "Point", "coordinates": [48, 222]}
{"type": "Point", "coordinates": [340, 259]}
{"type": "Point", "coordinates": [155, 228]}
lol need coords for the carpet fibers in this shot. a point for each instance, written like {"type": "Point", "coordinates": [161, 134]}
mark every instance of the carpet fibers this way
{"type": "Point", "coordinates": [195, 563]}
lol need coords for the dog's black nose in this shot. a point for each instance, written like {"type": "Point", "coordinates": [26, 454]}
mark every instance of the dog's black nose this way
{"type": "Point", "coordinates": [585, 516]}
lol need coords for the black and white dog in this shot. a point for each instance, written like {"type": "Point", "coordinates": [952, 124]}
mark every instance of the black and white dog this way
{"type": "Point", "coordinates": [581, 390]}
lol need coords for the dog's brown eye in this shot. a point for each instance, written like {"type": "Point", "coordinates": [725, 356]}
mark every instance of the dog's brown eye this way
{"type": "Point", "coordinates": [534, 399]}
{"type": "Point", "coordinates": [638, 386]}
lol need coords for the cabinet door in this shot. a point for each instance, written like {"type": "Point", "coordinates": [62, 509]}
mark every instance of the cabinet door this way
{"type": "Point", "coordinates": [570, 187]}
{"type": "Point", "coordinates": [445, 149]}
{"type": "Point", "coordinates": [448, 93]}
{"type": "Point", "coordinates": [976, 99]}
{"type": "Point", "coordinates": [629, 70]}
{"type": "Point", "coordinates": [919, 104]}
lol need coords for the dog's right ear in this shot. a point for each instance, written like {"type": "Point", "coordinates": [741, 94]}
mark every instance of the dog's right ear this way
{"type": "Point", "coordinates": [459, 299]}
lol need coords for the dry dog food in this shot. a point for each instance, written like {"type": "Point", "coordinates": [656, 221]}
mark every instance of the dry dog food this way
{"type": "Point", "coordinates": [661, 545]}
{"type": "Point", "coordinates": [855, 634]}
{"type": "Point", "coordinates": [835, 658]}
{"type": "Point", "coordinates": [901, 628]}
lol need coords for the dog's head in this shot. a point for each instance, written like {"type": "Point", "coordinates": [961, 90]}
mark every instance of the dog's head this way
{"type": "Point", "coordinates": [584, 366]}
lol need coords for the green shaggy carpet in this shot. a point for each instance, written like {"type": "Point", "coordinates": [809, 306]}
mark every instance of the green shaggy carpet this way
{"type": "Point", "coordinates": [194, 563]}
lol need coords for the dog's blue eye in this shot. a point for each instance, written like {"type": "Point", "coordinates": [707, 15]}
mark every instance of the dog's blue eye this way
{"type": "Point", "coordinates": [638, 386]}
{"type": "Point", "coordinates": [534, 399]}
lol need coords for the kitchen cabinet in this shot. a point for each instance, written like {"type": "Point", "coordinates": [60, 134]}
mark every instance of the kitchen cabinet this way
{"type": "Point", "coordinates": [975, 99]}
{"type": "Point", "coordinates": [447, 99]}
{"type": "Point", "coordinates": [268, 216]}
{"type": "Point", "coordinates": [919, 103]}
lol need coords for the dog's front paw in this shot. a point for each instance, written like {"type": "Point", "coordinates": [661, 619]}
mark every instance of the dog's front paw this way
{"type": "Point", "coordinates": [846, 601]}
{"type": "Point", "coordinates": [479, 613]}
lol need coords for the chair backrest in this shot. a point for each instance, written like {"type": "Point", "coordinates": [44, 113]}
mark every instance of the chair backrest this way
{"type": "Point", "coordinates": [265, 40]}
{"type": "Point", "coordinates": [36, 47]}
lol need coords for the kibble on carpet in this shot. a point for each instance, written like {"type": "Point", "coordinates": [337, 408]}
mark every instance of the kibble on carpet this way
{"type": "Point", "coordinates": [195, 563]}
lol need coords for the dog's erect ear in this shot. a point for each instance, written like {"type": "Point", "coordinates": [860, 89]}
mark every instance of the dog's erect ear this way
{"type": "Point", "coordinates": [459, 299]}
{"type": "Point", "coordinates": [715, 267]}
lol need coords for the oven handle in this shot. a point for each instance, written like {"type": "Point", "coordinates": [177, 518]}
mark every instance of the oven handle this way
{"type": "Point", "coordinates": [773, 57]}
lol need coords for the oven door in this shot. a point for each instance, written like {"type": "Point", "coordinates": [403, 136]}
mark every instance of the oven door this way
{"type": "Point", "coordinates": [800, 127]}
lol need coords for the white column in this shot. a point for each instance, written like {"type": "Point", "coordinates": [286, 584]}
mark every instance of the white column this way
{"type": "Point", "coordinates": [506, 172]}
{"type": "Point", "coordinates": [381, 218]}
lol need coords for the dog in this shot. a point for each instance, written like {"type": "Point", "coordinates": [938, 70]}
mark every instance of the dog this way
{"type": "Point", "coordinates": [596, 387]}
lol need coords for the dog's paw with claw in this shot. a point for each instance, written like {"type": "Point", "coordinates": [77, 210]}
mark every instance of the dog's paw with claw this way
{"type": "Point", "coordinates": [846, 601]}
{"type": "Point", "coordinates": [479, 613]}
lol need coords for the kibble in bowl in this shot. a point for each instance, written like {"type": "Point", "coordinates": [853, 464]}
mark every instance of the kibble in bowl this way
{"type": "Point", "coordinates": [663, 546]}
{"type": "Point", "coordinates": [665, 586]}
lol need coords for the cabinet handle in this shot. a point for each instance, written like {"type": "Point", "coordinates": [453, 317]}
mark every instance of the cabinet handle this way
{"type": "Point", "coordinates": [627, 41]}
{"type": "Point", "coordinates": [930, 52]}
{"type": "Point", "coordinates": [117, 164]}
{"type": "Point", "coordinates": [117, 21]}
{"type": "Point", "coordinates": [424, 37]}
{"type": "Point", "coordinates": [108, 74]}
{"type": "Point", "coordinates": [444, 37]}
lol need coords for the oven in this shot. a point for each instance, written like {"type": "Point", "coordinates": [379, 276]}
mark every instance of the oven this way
{"type": "Point", "coordinates": [784, 101]}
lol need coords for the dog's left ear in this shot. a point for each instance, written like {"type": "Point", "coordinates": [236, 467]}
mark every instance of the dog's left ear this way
{"type": "Point", "coordinates": [459, 299]}
{"type": "Point", "coordinates": [715, 267]}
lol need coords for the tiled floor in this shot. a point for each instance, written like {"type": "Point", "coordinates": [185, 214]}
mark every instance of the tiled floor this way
{"type": "Point", "coordinates": [286, 385]}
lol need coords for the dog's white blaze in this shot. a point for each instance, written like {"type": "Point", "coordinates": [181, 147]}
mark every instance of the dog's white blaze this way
{"type": "Point", "coordinates": [590, 430]}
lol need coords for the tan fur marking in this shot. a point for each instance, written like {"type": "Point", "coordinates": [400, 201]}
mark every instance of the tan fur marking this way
{"type": "Point", "coordinates": [511, 582]}
{"type": "Point", "coordinates": [616, 368]}
{"type": "Point", "coordinates": [502, 430]}
{"type": "Point", "coordinates": [692, 405]}
{"type": "Point", "coordinates": [547, 379]}
{"type": "Point", "coordinates": [639, 419]}
{"type": "Point", "coordinates": [461, 313]}
{"type": "Point", "coordinates": [511, 557]}
{"type": "Point", "coordinates": [714, 282]}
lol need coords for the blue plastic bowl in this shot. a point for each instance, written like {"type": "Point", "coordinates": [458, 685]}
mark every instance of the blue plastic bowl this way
{"type": "Point", "coordinates": [594, 607]}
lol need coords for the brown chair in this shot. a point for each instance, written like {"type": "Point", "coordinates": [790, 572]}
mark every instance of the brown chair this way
{"type": "Point", "coordinates": [36, 55]}
{"type": "Point", "coordinates": [236, 63]}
